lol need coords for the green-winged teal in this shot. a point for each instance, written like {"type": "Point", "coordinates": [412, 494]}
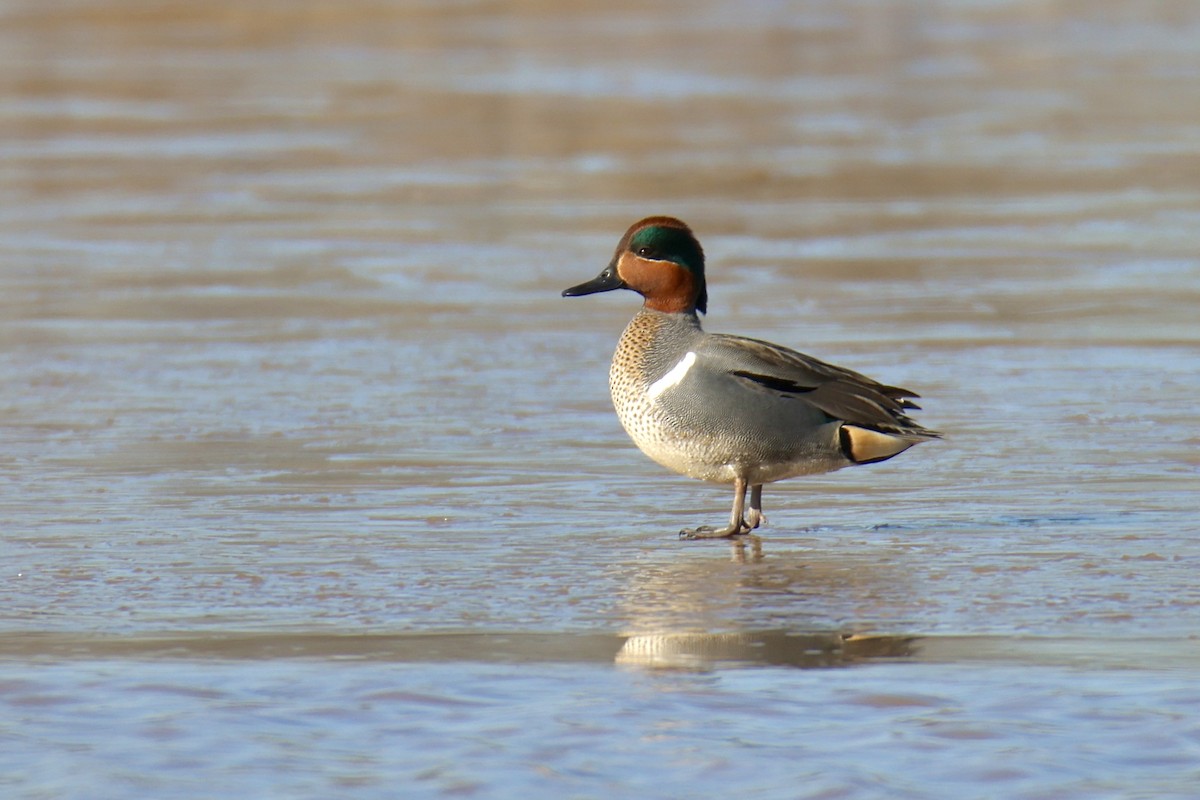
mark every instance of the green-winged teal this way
{"type": "Point", "coordinates": [726, 408]}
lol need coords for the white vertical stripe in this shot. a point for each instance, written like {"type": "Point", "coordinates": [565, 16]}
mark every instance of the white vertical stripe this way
{"type": "Point", "coordinates": [673, 377]}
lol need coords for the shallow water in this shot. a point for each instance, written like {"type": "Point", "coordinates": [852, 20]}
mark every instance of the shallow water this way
{"type": "Point", "coordinates": [311, 483]}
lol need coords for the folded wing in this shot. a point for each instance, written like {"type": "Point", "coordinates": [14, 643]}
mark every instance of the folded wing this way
{"type": "Point", "coordinates": [840, 393]}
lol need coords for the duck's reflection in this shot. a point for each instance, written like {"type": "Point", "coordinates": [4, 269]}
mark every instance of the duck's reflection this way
{"type": "Point", "coordinates": [746, 549]}
{"type": "Point", "coordinates": [785, 610]}
{"type": "Point", "coordinates": [777, 648]}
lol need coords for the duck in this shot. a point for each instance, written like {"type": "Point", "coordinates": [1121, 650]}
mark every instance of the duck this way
{"type": "Point", "coordinates": [730, 409]}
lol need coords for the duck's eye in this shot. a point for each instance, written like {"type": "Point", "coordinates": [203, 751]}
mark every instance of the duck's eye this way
{"type": "Point", "coordinates": [647, 252]}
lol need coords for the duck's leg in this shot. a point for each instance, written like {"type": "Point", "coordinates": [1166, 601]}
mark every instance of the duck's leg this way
{"type": "Point", "coordinates": [756, 516]}
{"type": "Point", "coordinates": [737, 524]}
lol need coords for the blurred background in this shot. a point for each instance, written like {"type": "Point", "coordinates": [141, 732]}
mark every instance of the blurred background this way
{"type": "Point", "coordinates": [309, 480]}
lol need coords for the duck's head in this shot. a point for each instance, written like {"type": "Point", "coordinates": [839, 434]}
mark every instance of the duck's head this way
{"type": "Point", "coordinates": [660, 259]}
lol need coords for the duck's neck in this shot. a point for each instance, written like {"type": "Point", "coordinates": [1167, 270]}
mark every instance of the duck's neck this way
{"type": "Point", "coordinates": [686, 320]}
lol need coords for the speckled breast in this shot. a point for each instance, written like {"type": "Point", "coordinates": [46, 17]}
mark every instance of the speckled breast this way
{"type": "Point", "coordinates": [652, 353]}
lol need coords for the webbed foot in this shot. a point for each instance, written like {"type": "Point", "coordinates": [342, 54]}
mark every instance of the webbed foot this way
{"type": "Point", "coordinates": [755, 518]}
{"type": "Point", "coordinates": [709, 532]}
